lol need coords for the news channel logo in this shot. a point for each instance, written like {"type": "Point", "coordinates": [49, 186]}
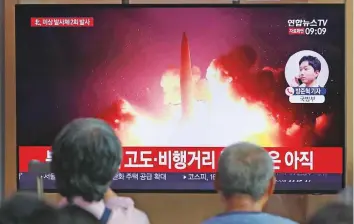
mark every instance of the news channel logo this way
{"type": "Point", "coordinates": [306, 73]}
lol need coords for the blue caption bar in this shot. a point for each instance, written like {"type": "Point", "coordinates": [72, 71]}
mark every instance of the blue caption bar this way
{"type": "Point", "coordinates": [310, 91]}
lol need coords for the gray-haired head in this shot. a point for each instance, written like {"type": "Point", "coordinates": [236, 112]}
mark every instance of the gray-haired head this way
{"type": "Point", "coordinates": [246, 169]}
{"type": "Point", "coordinates": [346, 196]}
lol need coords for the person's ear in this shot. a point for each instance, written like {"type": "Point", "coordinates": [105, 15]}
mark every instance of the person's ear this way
{"type": "Point", "coordinates": [271, 186]}
{"type": "Point", "coordinates": [217, 182]}
{"type": "Point", "coordinates": [317, 73]}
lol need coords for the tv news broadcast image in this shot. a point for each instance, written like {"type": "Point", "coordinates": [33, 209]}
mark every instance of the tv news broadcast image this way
{"type": "Point", "coordinates": [180, 82]}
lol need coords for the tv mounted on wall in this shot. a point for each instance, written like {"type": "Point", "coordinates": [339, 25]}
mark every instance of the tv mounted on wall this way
{"type": "Point", "coordinates": [180, 82]}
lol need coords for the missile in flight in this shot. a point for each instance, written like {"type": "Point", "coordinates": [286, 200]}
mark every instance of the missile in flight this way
{"type": "Point", "coordinates": [186, 79]}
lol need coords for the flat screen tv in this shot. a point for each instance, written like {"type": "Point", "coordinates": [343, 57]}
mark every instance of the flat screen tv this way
{"type": "Point", "coordinates": [180, 82]}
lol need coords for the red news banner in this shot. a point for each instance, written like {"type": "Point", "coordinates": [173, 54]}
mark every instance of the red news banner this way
{"type": "Point", "coordinates": [204, 159]}
{"type": "Point", "coordinates": [62, 21]}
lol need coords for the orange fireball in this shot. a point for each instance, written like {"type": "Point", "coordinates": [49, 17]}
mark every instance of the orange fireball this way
{"type": "Point", "coordinates": [219, 118]}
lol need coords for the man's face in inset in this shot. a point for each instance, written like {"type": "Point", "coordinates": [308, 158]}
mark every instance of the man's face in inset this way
{"type": "Point", "coordinates": [307, 73]}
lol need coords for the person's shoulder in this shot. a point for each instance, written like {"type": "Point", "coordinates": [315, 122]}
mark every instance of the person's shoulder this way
{"type": "Point", "coordinates": [211, 220]}
{"type": "Point", "coordinates": [248, 218]}
{"type": "Point", "coordinates": [141, 217]}
{"type": "Point", "coordinates": [124, 208]}
{"type": "Point", "coordinates": [280, 220]}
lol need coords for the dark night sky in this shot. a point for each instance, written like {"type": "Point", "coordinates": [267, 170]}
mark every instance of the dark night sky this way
{"type": "Point", "coordinates": [64, 73]}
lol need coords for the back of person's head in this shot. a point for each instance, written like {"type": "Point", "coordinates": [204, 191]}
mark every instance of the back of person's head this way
{"type": "Point", "coordinates": [334, 213]}
{"type": "Point", "coordinates": [346, 196]}
{"type": "Point", "coordinates": [76, 215]}
{"type": "Point", "coordinates": [27, 209]}
{"type": "Point", "coordinates": [245, 169]}
{"type": "Point", "coordinates": [86, 156]}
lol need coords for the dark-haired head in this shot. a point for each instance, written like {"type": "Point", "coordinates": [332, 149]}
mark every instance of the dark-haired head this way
{"type": "Point", "coordinates": [86, 156]}
{"type": "Point", "coordinates": [27, 209]}
{"type": "Point", "coordinates": [312, 61]}
{"type": "Point", "coordinates": [310, 68]}
{"type": "Point", "coordinates": [76, 215]}
{"type": "Point", "coordinates": [337, 213]}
